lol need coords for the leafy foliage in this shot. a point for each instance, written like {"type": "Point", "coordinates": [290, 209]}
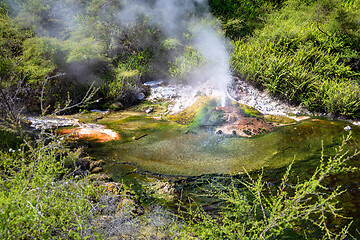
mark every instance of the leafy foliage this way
{"type": "Point", "coordinates": [38, 198]}
{"type": "Point", "coordinates": [36, 59]}
{"type": "Point", "coordinates": [186, 64]}
{"type": "Point", "coordinates": [254, 210]}
{"type": "Point", "coordinates": [84, 44]}
{"type": "Point", "coordinates": [306, 53]}
{"type": "Point", "coordinates": [241, 18]}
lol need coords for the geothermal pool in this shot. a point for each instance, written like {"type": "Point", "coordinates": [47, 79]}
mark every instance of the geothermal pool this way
{"type": "Point", "coordinates": [164, 147]}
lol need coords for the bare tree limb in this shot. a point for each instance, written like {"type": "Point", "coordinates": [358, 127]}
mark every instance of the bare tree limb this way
{"type": "Point", "coordinates": [43, 90]}
{"type": "Point", "coordinates": [85, 100]}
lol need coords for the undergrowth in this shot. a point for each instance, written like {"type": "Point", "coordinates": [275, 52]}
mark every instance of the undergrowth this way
{"type": "Point", "coordinates": [252, 209]}
{"type": "Point", "coordinates": [38, 197]}
{"type": "Point", "coordinates": [307, 53]}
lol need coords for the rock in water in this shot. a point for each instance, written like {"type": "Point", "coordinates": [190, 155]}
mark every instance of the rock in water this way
{"type": "Point", "coordinates": [96, 170]}
{"type": "Point", "coordinates": [95, 164]}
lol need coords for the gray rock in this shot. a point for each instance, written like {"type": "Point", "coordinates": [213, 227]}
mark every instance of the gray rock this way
{"type": "Point", "coordinates": [141, 96]}
{"type": "Point", "coordinates": [347, 128]}
{"type": "Point", "coordinates": [153, 83]}
{"type": "Point", "coordinates": [43, 123]}
{"type": "Point", "coordinates": [149, 110]}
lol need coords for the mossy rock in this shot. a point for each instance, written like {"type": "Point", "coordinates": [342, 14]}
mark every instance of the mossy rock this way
{"type": "Point", "coordinates": [215, 118]}
{"type": "Point", "coordinates": [247, 109]}
{"type": "Point", "coordinates": [116, 106]}
{"type": "Point", "coordinates": [192, 113]}
{"type": "Point", "coordinates": [159, 107]}
{"type": "Point", "coordinates": [278, 119]}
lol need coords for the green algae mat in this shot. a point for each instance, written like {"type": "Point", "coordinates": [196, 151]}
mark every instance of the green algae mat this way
{"type": "Point", "coordinates": [160, 146]}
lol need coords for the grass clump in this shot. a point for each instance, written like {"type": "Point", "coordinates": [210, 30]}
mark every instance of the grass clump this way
{"type": "Point", "coordinates": [307, 54]}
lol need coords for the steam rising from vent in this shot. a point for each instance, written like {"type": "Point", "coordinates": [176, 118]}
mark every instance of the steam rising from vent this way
{"type": "Point", "coordinates": [212, 47]}
{"type": "Point", "coordinates": [185, 21]}
{"type": "Point", "coordinates": [172, 15]}
{"type": "Point", "coordinates": [176, 18]}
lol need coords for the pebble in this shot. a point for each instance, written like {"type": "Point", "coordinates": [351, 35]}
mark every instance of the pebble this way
{"type": "Point", "coordinates": [347, 128]}
{"type": "Point", "coordinates": [149, 110]}
{"type": "Point", "coordinates": [141, 96]}
{"type": "Point", "coordinates": [96, 164]}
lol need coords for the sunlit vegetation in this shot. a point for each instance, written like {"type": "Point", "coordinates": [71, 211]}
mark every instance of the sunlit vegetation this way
{"type": "Point", "coordinates": [307, 53]}
{"type": "Point", "coordinates": [304, 52]}
{"type": "Point", "coordinates": [39, 199]}
{"type": "Point", "coordinates": [251, 209]}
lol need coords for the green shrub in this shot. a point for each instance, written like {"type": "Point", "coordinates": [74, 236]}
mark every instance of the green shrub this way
{"type": "Point", "coordinates": [305, 52]}
{"type": "Point", "coordinates": [11, 48]}
{"type": "Point", "coordinates": [241, 18]}
{"type": "Point", "coordinates": [186, 63]}
{"type": "Point", "coordinates": [124, 82]}
{"type": "Point", "coordinates": [37, 198]}
{"type": "Point", "coordinates": [251, 209]}
{"type": "Point", "coordinates": [341, 98]}
{"type": "Point", "coordinates": [127, 76]}
{"type": "Point", "coordinates": [84, 49]}
{"type": "Point", "coordinates": [37, 59]}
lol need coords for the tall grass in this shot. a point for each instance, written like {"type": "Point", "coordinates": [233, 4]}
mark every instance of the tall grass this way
{"type": "Point", "coordinates": [306, 54]}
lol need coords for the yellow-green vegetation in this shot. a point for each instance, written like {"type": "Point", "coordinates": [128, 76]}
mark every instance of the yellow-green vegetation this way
{"type": "Point", "coordinates": [269, 118]}
{"type": "Point", "coordinates": [278, 119]}
{"type": "Point", "coordinates": [194, 113]}
{"type": "Point", "coordinates": [159, 107]}
{"type": "Point", "coordinates": [241, 18]}
{"type": "Point", "coordinates": [247, 109]}
{"type": "Point", "coordinates": [250, 209]}
{"type": "Point", "coordinates": [307, 53]}
{"type": "Point", "coordinates": [37, 45]}
{"type": "Point", "coordinates": [186, 63]}
{"type": "Point", "coordinates": [303, 51]}
{"type": "Point", "coordinates": [39, 198]}
{"type": "Point", "coordinates": [44, 195]}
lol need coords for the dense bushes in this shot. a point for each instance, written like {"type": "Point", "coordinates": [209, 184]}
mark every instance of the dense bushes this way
{"type": "Point", "coordinates": [307, 54]}
{"type": "Point", "coordinates": [38, 197]}
{"type": "Point", "coordinates": [241, 18]}
{"type": "Point", "coordinates": [41, 39]}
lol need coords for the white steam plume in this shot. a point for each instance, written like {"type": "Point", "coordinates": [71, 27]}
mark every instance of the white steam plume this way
{"type": "Point", "coordinates": [175, 17]}
{"type": "Point", "coordinates": [212, 47]}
